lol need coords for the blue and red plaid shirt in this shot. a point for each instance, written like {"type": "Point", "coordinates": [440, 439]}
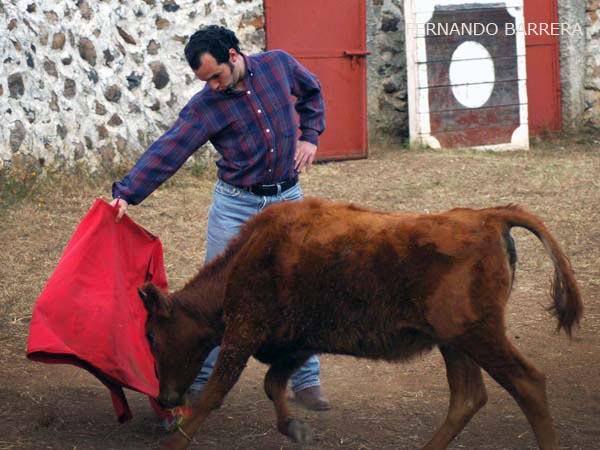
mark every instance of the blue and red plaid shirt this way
{"type": "Point", "coordinates": [254, 129]}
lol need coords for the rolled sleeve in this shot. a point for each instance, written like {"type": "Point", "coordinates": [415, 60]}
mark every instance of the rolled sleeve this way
{"type": "Point", "coordinates": [309, 104]}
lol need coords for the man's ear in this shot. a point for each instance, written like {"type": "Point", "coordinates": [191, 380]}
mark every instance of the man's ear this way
{"type": "Point", "coordinates": [233, 55]}
{"type": "Point", "coordinates": [155, 301]}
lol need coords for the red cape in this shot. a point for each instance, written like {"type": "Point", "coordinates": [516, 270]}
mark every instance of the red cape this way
{"type": "Point", "coordinates": [90, 315]}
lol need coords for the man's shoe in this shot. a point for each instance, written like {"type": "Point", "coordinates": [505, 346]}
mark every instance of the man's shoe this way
{"type": "Point", "coordinates": [312, 398]}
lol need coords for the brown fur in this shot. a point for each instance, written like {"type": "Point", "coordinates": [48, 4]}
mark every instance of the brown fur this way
{"type": "Point", "coordinates": [319, 277]}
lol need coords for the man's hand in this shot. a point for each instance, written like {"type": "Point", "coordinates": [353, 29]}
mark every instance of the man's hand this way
{"type": "Point", "coordinates": [122, 208]}
{"type": "Point", "coordinates": [305, 154]}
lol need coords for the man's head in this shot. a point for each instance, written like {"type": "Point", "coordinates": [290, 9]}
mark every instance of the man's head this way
{"type": "Point", "coordinates": [214, 55]}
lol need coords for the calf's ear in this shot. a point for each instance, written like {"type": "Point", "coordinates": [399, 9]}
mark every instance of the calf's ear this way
{"type": "Point", "coordinates": [154, 300]}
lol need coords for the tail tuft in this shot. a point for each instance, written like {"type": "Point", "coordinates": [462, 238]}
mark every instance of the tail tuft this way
{"type": "Point", "coordinates": [567, 312]}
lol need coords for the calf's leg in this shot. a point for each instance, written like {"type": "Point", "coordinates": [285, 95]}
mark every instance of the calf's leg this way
{"type": "Point", "coordinates": [493, 351]}
{"type": "Point", "coordinates": [228, 368]}
{"type": "Point", "coordinates": [276, 381]}
{"type": "Point", "coordinates": [467, 396]}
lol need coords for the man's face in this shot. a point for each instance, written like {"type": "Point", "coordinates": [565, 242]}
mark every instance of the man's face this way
{"type": "Point", "coordinates": [219, 77]}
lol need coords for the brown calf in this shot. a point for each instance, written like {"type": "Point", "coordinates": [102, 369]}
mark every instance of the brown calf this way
{"type": "Point", "coordinates": [318, 277]}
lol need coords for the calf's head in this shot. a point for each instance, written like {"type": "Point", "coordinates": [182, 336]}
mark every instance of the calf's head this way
{"type": "Point", "coordinates": [179, 340]}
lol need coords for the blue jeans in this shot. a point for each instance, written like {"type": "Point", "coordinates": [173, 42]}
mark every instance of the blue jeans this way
{"type": "Point", "coordinates": [231, 208]}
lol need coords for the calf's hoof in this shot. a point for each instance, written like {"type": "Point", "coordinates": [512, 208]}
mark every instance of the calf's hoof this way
{"type": "Point", "coordinates": [299, 432]}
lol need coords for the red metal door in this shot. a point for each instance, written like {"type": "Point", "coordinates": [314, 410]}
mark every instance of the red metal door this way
{"type": "Point", "coordinates": [328, 37]}
{"type": "Point", "coordinates": [543, 67]}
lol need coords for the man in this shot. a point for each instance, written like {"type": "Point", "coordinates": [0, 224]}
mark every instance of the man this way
{"type": "Point", "coordinates": [247, 111]}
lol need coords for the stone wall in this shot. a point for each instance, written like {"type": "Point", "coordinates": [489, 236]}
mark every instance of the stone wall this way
{"type": "Point", "coordinates": [387, 84]}
{"type": "Point", "coordinates": [592, 66]}
{"type": "Point", "coordinates": [98, 81]}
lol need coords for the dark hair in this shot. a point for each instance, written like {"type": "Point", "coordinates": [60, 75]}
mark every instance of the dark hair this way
{"type": "Point", "coordinates": [214, 39]}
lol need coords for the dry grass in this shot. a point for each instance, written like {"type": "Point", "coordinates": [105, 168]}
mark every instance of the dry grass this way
{"type": "Point", "coordinates": [557, 180]}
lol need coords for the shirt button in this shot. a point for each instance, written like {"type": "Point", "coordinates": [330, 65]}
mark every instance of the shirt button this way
{"type": "Point", "coordinates": [248, 92]}
{"type": "Point", "coordinates": [259, 111]}
{"type": "Point", "coordinates": [269, 170]}
{"type": "Point", "coordinates": [267, 130]}
{"type": "Point", "coordinates": [272, 150]}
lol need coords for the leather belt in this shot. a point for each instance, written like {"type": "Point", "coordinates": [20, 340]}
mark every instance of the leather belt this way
{"type": "Point", "coordinates": [269, 190]}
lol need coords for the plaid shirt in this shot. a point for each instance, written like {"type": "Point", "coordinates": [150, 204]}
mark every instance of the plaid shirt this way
{"type": "Point", "coordinates": [254, 129]}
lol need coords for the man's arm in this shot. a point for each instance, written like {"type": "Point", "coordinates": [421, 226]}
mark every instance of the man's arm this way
{"type": "Point", "coordinates": [311, 108]}
{"type": "Point", "coordinates": [162, 159]}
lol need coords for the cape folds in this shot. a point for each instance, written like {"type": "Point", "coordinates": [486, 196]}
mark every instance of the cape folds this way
{"type": "Point", "coordinates": [90, 315]}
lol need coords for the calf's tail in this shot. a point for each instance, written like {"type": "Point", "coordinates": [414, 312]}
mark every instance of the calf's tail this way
{"type": "Point", "coordinates": [567, 305]}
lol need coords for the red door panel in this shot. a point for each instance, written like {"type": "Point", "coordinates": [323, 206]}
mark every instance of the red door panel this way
{"type": "Point", "coordinates": [543, 68]}
{"type": "Point", "coordinates": [328, 37]}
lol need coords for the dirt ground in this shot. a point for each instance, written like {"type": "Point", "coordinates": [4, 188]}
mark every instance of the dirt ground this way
{"type": "Point", "coordinates": [375, 405]}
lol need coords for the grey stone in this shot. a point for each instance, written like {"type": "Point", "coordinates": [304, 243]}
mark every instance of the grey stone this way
{"type": "Point", "coordinates": [31, 8]}
{"type": "Point", "coordinates": [58, 41]}
{"type": "Point", "coordinates": [172, 101]}
{"type": "Point", "coordinates": [68, 60]}
{"type": "Point", "coordinates": [16, 88]}
{"type": "Point", "coordinates": [150, 2]}
{"type": "Point", "coordinates": [170, 6]}
{"type": "Point", "coordinates": [163, 126]}
{"type": "Point", "coordinates": [389, 87]}
{"type": "Point", "coordinates": [155, 106]}
{"type": "Point", "coordinates": [70, 88]}
{"type": "Point", "coordinates": [389, 23]}
{"type": "Point", "coordinates": [108, 57]}
{"type": "Point", "coordinates": [141, 138]}
{"type": "Point", "coordinates": [50, 68]}
{"type": "Point", "coordinates": [138, 57]}
{"type": "Point", "coordinates": [29, 60]}
{"type": "Point", "coordinates": [85, 10]}
{"type": "Point", "coordinates": [100, 108]}
{"type": "Point", "coordinates": [12, 24]}
{"type": "Point", "coordinates": [88, 142]}
{"type": "Point", "coordinates": [107, 153]}
{"type": "Point", "coordinates": [78, 151]}
{"type": "Point", "coordinates": [115, 120]}
{"type": "Point", "coordinates": [17, 136]}
{"type": "Point", "coordinates": [17, 45]}
{"type": "Point", "coordinates": [121, 49]}
{"type": "Point", "coordinates": [92, 76]}
{"type": "Point", "coordinates": [121, 143]}
{"type": "Point", "coordinates": [53, 104]}
{"type": "Point", "coordinates": [160, 76]}
{"type": "Point", "coordinates": [152, 47]}
{"type": "Point", "coordinates": [254, 18]}
{"type": "Point", "coordinates": [43, 35]}
{"type": "Point", "coordinates": [134, 80]}
{"type": "Point", "coordinates": [29, 114]}
{"type": "Point", "coordinates": [134, 108]}
{"type": "Point", "coordinates": [126, 36]}
{"type": "Point", "coordinates": [102, 132]}
{"type": "Point", "coordinates": [62, 131]}
{"type": "Point", "coordinates": [87, 50]}
{"type": "Point", "coordinates": [113, 93]}
{"type": "Point", "coordinates": [162, 23]}
{"type": "Point", "coordinates": [1, 90]}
